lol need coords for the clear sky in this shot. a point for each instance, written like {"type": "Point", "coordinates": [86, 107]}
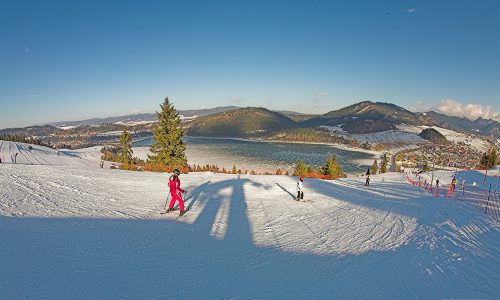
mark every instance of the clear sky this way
{"type": "Point", "coordinates": [71, 60]}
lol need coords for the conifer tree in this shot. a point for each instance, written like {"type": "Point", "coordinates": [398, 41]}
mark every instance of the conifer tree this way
{"type": "Point", "coordinates": [383, 164]}
{"type": "Point", "coordinates": [234, 170]}
{"type": "Point", "coordinates": [300, 169]}
{"type": "Point", "coordinates": [493, 158]}
{"type": "Point", "coordinates": [168, 148]}
{"type": "Point", "coordinates": [374, 168]}
{"type": "Point", "coordinates": [425, 167]}
{"type": "Point", "coordinates": [484, 161]}
{"type": "Point", "coordinates": [332, 167]}
{"type": "Point", "coordinates": [124, 155]}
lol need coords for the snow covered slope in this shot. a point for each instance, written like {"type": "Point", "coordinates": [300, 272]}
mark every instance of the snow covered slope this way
{"type": "Point", "coordinates": [72, 231]}
{"type": "Point", "coordinates": [39, 155]}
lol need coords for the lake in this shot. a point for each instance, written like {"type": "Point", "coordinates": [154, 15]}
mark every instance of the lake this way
{"type": "Point", "coordinates": [265, 156]}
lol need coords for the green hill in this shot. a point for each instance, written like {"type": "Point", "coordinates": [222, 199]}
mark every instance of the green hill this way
{"type": "Point", "coordinates": [243, 122]}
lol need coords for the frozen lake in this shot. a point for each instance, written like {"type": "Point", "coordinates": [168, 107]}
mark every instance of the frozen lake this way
{"type": "Point", "coordinates": [265, 156]}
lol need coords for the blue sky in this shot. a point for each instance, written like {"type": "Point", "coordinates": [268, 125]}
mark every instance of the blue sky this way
{"type": "Point", "coordinates": [70, 60]}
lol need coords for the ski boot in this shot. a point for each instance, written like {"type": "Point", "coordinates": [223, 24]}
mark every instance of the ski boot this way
{"type": "Point", "coordinates": [181, 213]}
{"type": "Point", "coordinates": [169, 210]}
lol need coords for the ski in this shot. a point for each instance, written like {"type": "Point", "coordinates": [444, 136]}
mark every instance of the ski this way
{"type": "Point", "coordinates": [185, 212]}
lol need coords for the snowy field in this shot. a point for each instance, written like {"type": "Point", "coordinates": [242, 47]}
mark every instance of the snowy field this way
{"type": "Point", "coordinates": [73, 230]}
{"type": "Point", "coordinates": [474, 141]}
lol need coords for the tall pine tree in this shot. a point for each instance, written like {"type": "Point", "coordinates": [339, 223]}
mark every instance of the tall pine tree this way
{"type": "Point", "coordinates": [124, 155]}
{"type": "Point", "coordinates": [168, 148]}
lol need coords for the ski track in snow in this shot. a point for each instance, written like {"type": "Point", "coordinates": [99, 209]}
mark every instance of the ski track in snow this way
{"type": "Point", "coordinates": [73, 230]}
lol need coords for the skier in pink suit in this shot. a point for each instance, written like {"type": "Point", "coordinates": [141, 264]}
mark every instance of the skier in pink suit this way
{"type": "Point", "coordinates": [176, 191]}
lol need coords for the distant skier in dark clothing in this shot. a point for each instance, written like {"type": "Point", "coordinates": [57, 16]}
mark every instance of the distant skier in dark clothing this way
{"type": "Point", "coordinates": [437, 183]}
{"type": "Point", "coordinates": [368, 172]}
{"type": "Point", "coordinates": [300, 189]}
{"type": "Point", "coordinates": [176, 192]}
{"type": "Point", "coordinates": [367, 180]}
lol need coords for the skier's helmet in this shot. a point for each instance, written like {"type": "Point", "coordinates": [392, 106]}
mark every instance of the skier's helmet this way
{"type": "Point", "coordinates": [301, 178]}
{"type": "Point", "coordinates": [177, 172]}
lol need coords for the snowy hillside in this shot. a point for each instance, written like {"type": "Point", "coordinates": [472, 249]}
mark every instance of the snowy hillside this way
{"type": "Point", "coordinates": [39, 155]}
{"type": "Point", "coordinates": [476, 142]}
{"type": "Point", "coordinates": [74, 230]}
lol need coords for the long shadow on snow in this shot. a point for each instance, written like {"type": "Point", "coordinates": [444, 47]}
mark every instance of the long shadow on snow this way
{"type": "Point", "coordinates": [125, 258]}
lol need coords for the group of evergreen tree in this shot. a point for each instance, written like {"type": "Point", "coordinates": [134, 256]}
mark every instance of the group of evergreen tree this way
{"type": "Point", "coordinates": [331, 169]}
{"type": "Point", "coordinates": [380, 168]}
{"type": "Point", "coordinates": [489, 159]}
{"type": "Point", "coordinates": [13, 138]}
{"type": "Point", "coordinates": [167, 149]}
{"type": "Point", "coordinates": [23, 139]}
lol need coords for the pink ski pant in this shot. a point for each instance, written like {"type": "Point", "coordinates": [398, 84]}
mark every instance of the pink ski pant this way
{"type": "Point", "coordinates": [176, 197]}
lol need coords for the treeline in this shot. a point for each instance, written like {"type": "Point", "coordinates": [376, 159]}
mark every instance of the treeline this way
{"type": "Point", "coordinates": [310, 135]}
{"type": "Point", "coordinates": [488, 159]}
{"type": "Point", "coordinates": [23, 139]}
{"type": "Point", "coordinates": [13, 138]}
{"type": "Point", "coordinates": [331, 170]}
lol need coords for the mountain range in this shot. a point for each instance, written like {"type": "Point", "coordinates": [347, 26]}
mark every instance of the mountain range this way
{"type": "Point", "coordinates": [233, 121]}
{"type": "Point", "coordinates": [362, 117]}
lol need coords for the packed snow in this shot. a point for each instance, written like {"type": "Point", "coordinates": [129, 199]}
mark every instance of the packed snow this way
{"type": "Point", "coordinates": [73, 230]}
{"type": "Point", "coordinates": [476, 142]}
{"type": "Point", "coordinates": [395, 137]}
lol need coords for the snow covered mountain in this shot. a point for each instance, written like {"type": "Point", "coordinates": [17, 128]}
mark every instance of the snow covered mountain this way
{"type": "Point", "coordinates": [73, 230]}
{"type": "Point", "coordinates": [135, 119]}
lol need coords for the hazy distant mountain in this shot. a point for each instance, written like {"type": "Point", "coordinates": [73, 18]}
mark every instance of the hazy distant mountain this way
{"type": "Point", "coordinates": [142, 118]}
{"type": "Point", "coordinates": [145, 117]}
{"type": "Point", "coordinates": [243, 122]}
{"type": "Point", "coordinates": [296, 116]}
{"type": "Point", "coordinates": [478, 126]}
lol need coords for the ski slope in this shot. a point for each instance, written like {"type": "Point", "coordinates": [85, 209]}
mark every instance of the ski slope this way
{"type": "Point", "coordinates": [72, 230]}
{"type": "Point", "coordinates": [39, 155]}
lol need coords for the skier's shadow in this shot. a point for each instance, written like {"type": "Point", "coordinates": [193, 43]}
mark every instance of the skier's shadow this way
{"type": "Point", "coordinates": [195, 194]}
{"type": "Point", "coordinates": [236, 222]}
{"type": "Point", "coordinates": [289, 193]}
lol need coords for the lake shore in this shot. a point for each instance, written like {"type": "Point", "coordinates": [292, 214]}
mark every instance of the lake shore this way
{"type": "Point", "coordinates": [227, 158]}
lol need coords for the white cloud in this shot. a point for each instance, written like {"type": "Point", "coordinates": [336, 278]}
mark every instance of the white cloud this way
{"type": "Point", "coordinates": [319, 95]}
{"type": "Point", "coordinates": [411, 10]}
{"type": "Point", "coordinates": [420, 107]}
{"type": "Point", "coordinates": [452, 107]}
{"type": "Point", "coordinates": [236, 99]}
{"type": "Point", "coordinates": [471, 111]}
{"type": "Point", "coordinates": [137, 111]}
